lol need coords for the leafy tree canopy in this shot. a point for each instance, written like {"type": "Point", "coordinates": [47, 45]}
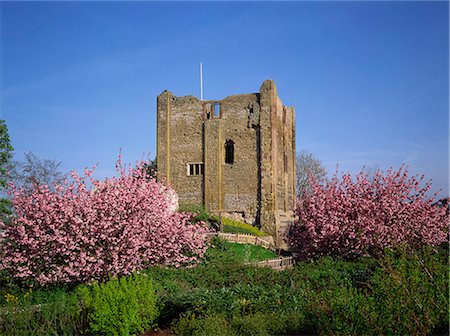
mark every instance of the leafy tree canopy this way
{"type": "Point", "coordinates": [5, 152]}
{"type": "Point", "coordinates": [5, 164]}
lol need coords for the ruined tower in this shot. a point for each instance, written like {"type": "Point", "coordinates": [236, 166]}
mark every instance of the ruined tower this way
{"type": "Point", "coordinates": [234, 156]}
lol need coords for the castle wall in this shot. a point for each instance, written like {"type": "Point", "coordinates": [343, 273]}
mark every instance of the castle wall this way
{"type": "Point", "coordinates": [179, 144]}
{"type": "Point", "coordinates": [260, 183]}
{"type": "Point", "coordinates": [240, 179]}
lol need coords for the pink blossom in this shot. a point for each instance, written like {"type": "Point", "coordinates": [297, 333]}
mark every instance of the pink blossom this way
{"type": "Point", "coordinates": [351, 217]}
{"type": "Point", "coordinates": [77, 234]}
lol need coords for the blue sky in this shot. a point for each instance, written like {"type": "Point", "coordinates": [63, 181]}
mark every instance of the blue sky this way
{"type": "Point", "coordinates": [369, 80]}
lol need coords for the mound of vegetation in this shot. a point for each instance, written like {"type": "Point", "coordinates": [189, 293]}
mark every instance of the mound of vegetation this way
{"type": "Point", "coordinates": [234, 226]}
{"type": "Point", "coordinates": [228, 225]}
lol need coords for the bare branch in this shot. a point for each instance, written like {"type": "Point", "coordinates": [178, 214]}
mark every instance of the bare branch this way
{"type": "Point", "coordinates": [34, 170]}
{"type": "Point", "coordinates": [308, 164]}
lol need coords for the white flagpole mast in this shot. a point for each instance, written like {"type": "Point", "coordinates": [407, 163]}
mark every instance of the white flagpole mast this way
{"type": "Point", "coordinates": [201, 81]}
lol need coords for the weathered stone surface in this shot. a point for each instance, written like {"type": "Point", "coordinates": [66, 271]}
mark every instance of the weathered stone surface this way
{"type": "Point", "coordinates": [259, 184]}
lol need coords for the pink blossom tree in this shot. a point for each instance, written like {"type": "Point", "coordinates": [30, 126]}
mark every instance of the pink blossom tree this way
{"type": "Point", "coordinates": [351, 217]}
{"type": "Point", "coordinates": [76, 234]}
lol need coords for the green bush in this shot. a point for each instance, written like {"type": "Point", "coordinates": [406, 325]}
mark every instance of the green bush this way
{"type": "Point", "coordinates": [258, 324]}
{"type": "Point", "coordinates": [271, 323]}
{"type": "Point", "coordinates": [191, 325]}
{"type": "Point", "coordinates": [341, 311]}
{"type": "Point", "coordinates": [232, 302]}
{"type": "Point", "coordinates": [199, 210]}
{"type": "Point", "coordinates": [410, 292]}
{"type": "Point", "coordinates": [326, 273]}
{"type": "Point", "coordinates": [125, 306]}
{"type": "Point", "coordinates": [405, 294]}
{"type": "Point", "coordinates": [58, 313]}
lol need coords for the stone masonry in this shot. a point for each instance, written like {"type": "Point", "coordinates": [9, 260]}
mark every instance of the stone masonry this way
{"type": "Point", "coordinates": [234, 156]}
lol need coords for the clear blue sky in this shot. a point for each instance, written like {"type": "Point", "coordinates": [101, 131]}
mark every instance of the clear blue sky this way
{"type": "Point", "coordinates": [369, 80]}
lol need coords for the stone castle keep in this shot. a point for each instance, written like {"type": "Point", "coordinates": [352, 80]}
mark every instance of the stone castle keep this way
{"type": "Point", "coordinates": [234, 156]}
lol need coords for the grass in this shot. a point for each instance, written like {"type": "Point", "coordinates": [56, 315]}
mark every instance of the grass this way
{"type": "Point", "coordinates": [225, 252]}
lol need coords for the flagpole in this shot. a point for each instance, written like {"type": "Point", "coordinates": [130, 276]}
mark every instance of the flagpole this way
{"type": "Point", "coordinates": [201, 81]}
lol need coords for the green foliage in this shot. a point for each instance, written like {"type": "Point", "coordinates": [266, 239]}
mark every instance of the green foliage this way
{"type": "Point", "coordinates": [258, 324]}
{"type": "Point", "coordinates": [199, 210]}
{"type": "Point", "coordinates": [341, 310]}
{"type": "Point", "coordinates": [326, 273]}
{"type": "Point", "coordinates": [57, 313]}
{"type": "Point", "coordinates": [5, 161]}
{"type": "Point", "coordinates": [225, 252]}
{"type": "Point", "coordinates": [214, 325]}
{"type": "Point", "coordinates": [326, 296]}
{"type": "Point", "coordinates": [404, 293]}
{"type": "Point", "coordinates": [234, 226]}
{"type": "Point", "coordinates": [125, 306]}
{"type": "Point", "coordinates": [411, 293]}
{"type": "Point", "coordinates": [228, 225]}
{"type": "Point", "coordinates": [5, 149]}
{"type": "Point", "coordinates": [151, 168]}
{"type": "Point", "coordinates": [271, 323]}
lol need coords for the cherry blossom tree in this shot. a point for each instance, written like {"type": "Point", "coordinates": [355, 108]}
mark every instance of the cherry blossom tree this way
{"type": "Point", "coordinates": [350, 217]}
{"type": "Point", "coordinates": [73, 233]}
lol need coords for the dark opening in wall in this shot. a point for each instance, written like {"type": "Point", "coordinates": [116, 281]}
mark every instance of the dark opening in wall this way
{"type": "Point", "coordinates": [229, 152]}
{"type": "Point", "coordinates": [216, 109]}
{"type": "Point", "coordinates": [285, 163]}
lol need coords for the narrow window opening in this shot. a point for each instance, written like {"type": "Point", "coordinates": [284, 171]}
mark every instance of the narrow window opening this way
{"type": "Point", "coordinates": [195, 169]}
{"type": "Point", "coordinates": [208, 115]}
{"type": "Point", "coordinates": [216, 109]}
{"type": "Point", "coordinates": [229, 152]}
{"type": "Point", "coordinates": [285, 163]}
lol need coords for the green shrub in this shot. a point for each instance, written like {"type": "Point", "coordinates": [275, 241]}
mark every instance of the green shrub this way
{"type": "Point", "coordinates": [251, 325]}
{"type": "Point", "coordinates": [258, 324]}
{"type": "Point", "coordinates": [124, 306]}
{"type": "Point", "coordinates": [201, 303]}
{"type": "Point", "coordinates": [199, 210]}
{"type": "Point", "coordinates": [271, 323]}
{"type": "Point", "coordinates": [410, 292]}
{"type": "Point", "coordinates": [341, 311]}
{"type": "Point", "coordinates": [58, 313]}
{"type": "Point", "coordinates": [191, 325]}
{"type": "Point", "coordinates": [234, 226]}
{"type": "Point", "coordinates": [405, 294]}
{"type": "Point", "coordinates": [232, 302]}
{"type": "Point", "coordinates": [326, 273]}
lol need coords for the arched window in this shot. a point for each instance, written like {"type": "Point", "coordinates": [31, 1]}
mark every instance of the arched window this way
{"type": "Point", "coordinates": [229, 152]}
